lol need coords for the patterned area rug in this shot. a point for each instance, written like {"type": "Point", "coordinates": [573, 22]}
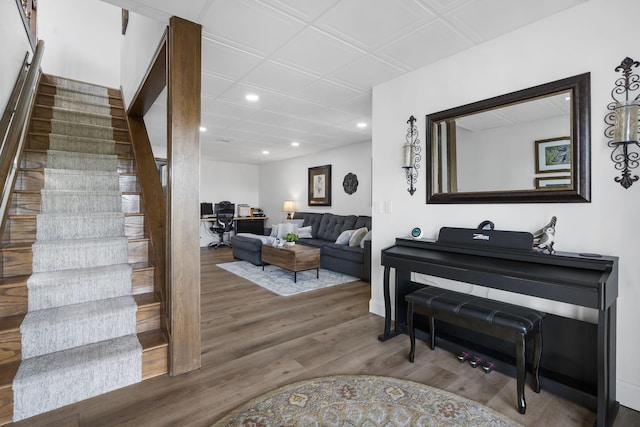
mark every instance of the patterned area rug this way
{"type": "Point", "coordinates": [362, 400]}
{"type": "Point", "coordinates": [280, 281]}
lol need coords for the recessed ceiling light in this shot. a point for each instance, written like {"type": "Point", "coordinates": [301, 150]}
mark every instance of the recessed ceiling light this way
{"type": "Point", "coordinates": [362, 125]}
{"type": "Point", "coordinates": [252, 97]}
{"type": "Point", "coordinates": [265, 152]}
{"type": "Point", "coordinates": [568, 98]}
{"type": "Point", "coordinates": [295, 144]}
{"type": "Point", "coordinates": [203, 129]}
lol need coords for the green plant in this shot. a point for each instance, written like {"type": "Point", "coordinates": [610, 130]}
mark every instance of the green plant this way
{"type": "Point", "coordinates": [291, 237]}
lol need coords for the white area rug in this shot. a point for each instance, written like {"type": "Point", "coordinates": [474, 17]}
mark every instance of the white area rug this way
{"type": "Point", "coordinates": [280, 281]}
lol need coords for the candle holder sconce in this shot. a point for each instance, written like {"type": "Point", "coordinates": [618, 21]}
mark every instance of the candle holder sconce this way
{"type": "Point", "coordinates": [622, 121]}
{"type": "Point", "coordinates": [411, 155]}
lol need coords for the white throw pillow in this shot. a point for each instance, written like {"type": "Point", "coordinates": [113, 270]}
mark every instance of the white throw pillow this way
{"type": "Point", "coordinates": [343, 238]}
{"type": "Point", "coordinates": [357, 237]}
{"type": "Point", "coordinates": [274, 230]}
{"type": "Point", "coordinates": [365, 238]}
{"type": "Point", "coordinates": [305, 232]}
{"type": "Point", "coordinates": [286, 228]}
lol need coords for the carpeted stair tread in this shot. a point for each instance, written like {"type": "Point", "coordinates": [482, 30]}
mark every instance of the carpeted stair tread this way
{"type": "Point", "coordinates": [79, 144]}
{"type": "Point", "coordinates": [60, 201]}
{"type": "Point", "coordinates": [78, 105]}
{"type": "Point", "coordinates": [54, 380]}
{"type": "Point", "coordinates": [60, 328]}
{"type": "Point", "coordinates": [81, 180]}
{"type": "Point", "coordinates": [82, 117]}
{"type": "Point", "coordinates": [62, 127]}
{"type": "Point", "coordinates": [58, 255]}
{"type": "Point", "coordinates": [65, 287]}
{"type": "Point", "coordinates": [97, 97]}
{"type": "Point", "coordinates": [79, 86]}
{"type": "Point", "coordinates": [63, 226]}
{"type": "Point", "coordinates": [81, 161]}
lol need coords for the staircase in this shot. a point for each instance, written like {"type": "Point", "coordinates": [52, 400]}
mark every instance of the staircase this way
{"type": "Point", "coordinates": [77, 279]}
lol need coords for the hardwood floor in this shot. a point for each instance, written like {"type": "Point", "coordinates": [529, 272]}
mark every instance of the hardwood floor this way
{"type": "Point", "coordinates": [254, 341]}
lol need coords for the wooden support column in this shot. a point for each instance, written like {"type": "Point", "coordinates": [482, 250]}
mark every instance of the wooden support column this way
{"type": "Point", "coordinates": [183, 157]}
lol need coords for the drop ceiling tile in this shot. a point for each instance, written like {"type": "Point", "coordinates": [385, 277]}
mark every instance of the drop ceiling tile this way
{"type": "Point", "coordinates": [427, 44]}
{"type": "Point", "coordinates": [372, 23]}
{"type": "Point", "coordinates": [305, 126]}
{"type": "Point", "coordinates": [272, 118]}
{"type": "Point", "coordinates": [226, 61]}
{"type": "Point", "coordinates": [317, 52]}
{"type": "Point", "coordinates": [237, 93]}
{"type": "Point", "coordinates": [360, 105]}
{"type": "Point", "coordinates": [333, 117]}
{"type": "Point", "coordinates": [307, 10]}
{"type": "Point", "coordinates": [479, 20]}
{"type": "Point", "coordinates": [295, 107]}
{"type": "Point", "coordinates": [328, 93]}
{"type": "Point", "coordinates": [250, 24]}
{"type": "Point", "coordinates": [184, 9]}
{"type": "Point", "coordinates": [443, 6]}
{"type": "Point", "coordinates": [227, 109]}
{"type": "Point", "coordinates": [366, 73]}
{"type": "Point", "coordinates": [213, 86]}
{"type": "Point", "coordinates": [280, 78]}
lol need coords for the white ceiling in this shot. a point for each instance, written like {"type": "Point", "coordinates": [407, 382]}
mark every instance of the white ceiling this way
{"type": "Point", "coordinates": [313, 63]}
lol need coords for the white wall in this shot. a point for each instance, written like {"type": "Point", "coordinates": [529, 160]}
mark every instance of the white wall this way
{"type": "Point", "coordinates": [138, 47]}
{"type": "Point", "coordinates": [236, 182]}
{"type": "Point", "coordinates": [82, 39]}
{"type": "Point", "coordinates": [12, 50]}
{"type": "Point", "coordinates": [572, 42]}
{"type": "Point", "coordinates": [287, 180]}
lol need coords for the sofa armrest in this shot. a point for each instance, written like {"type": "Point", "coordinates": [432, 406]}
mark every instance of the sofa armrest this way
{"type": "Point", "coordinates": [367, 259]}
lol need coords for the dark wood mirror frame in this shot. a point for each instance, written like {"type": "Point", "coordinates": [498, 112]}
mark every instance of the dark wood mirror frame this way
{"type": "Point", "coordinates": [580, 88]}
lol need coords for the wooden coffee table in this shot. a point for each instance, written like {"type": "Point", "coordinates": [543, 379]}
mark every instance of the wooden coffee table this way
{"type": "Point", "coordinates": [293, 258]}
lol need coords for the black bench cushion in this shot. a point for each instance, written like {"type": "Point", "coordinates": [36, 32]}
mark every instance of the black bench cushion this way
{"type": "Point", "coordinates": [520, 319]}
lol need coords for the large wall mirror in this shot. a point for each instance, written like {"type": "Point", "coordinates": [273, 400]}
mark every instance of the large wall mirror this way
{"type": "Point", "coordinates": [532, 145]}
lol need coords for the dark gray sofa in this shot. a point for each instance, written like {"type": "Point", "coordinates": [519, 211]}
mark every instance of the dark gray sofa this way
{"type": "Point", "coordinates": [325, 229]}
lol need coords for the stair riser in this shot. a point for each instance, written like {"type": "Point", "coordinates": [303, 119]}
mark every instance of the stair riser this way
{"type": "Point", "coordinates": [29, 204]}
{"type": "Point", "coordinates": [78, 203]}
{"type": "Point", "coordinates": [48, 101]}
{"type": "Point", "coordinates": [38, 160]}
{"type": "Point", "coordinates": [10, 347]}
{"type": "Point", "coordinates": [64, 227]}
{"type": "Point", "coordinates": [23, 229]}
{"type": "Point", "coordinates": [40, 141]}
{"type": "Point", "coordinates": [148, 318]}
{"type": "Point", "coordinates": [46, 126]}
{"type": "Point", "coordinates": [34, 180]}
{"type": "Point", "coordinates": [13, 299]}
{"type": "Point", "coordinates": [94, 116]}
{"type": "Point", "coordinates": [19, 261]}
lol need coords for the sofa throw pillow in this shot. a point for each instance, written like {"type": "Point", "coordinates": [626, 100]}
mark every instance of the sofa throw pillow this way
{"type": "Point", "coordinates": [365, 238]}
{"type": "Point", "coordinates": [343, 238]}
{"type": "Point", "coordinates": [305, 232]}
{"type": "Point", "coordinates": [357, 237]}
{"type": "Point", "coordinates": [274, 230]}
{"type": "Point", "coordinates": [286, 228]}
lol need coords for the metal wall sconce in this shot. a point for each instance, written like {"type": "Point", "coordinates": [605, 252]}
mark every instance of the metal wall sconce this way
{"type": "Point", "coordinates": [623, 123]}
{"type": "Point", "coordinates": [411, 155]}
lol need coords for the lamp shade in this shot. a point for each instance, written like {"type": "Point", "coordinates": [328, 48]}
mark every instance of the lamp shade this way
{"type": "Point", "coordinates": [289, 206]}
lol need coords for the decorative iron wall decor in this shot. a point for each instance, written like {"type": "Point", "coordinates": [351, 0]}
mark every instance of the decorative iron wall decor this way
{"type": "Point", "coordinates": [350, 183]}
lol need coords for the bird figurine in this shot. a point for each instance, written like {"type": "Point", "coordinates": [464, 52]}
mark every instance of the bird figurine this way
{"type": "Point", "coordinates": [543, 239]}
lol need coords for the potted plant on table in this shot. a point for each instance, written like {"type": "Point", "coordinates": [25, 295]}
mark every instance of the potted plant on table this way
{"type": "Point", "coordinates": [290, 239]}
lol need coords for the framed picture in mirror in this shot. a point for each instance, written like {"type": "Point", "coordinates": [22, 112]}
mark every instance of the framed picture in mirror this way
{"type": "Point", "coordinates": [553, 155]}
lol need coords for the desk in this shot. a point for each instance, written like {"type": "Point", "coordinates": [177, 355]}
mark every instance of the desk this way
{"type": "Point", "coordinates": [578, 358]}
{"type": "Point", "coordinates": [245, 224]}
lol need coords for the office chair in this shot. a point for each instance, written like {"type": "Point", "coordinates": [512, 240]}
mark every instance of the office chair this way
{"type": "Point", "coordinates": [224, 212]}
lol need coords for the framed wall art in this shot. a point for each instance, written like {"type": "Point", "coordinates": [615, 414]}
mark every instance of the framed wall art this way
{"type": "Point", "coordinates": [320, 186]}
{"type": "Point", "coordinates": [553, 155]}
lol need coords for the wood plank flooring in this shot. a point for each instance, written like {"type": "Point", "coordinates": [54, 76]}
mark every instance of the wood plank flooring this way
{"type": "Point", "coordinates": [254, 341]}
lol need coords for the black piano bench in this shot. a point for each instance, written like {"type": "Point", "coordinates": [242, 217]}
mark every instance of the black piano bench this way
{"type": "Point", "coordinates": [498, 319]}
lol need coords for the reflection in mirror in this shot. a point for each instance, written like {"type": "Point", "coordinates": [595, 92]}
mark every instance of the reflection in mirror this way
{"type": "Point", "coordinates": [531, 145]}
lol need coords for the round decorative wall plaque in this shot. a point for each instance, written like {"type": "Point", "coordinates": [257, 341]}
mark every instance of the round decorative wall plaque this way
{"type": "Point", "coordinates": [350, 183]}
